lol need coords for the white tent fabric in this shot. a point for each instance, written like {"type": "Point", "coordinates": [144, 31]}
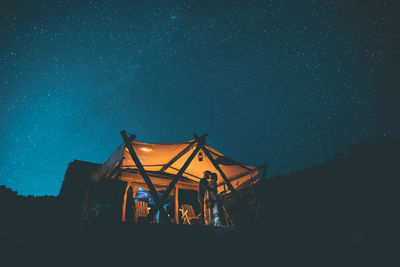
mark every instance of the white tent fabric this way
{"type": "Point", "coordinates": [155, 156]}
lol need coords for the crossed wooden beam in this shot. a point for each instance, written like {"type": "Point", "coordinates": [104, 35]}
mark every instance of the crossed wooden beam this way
{"type": "Point", "coordinates": [199, 142]}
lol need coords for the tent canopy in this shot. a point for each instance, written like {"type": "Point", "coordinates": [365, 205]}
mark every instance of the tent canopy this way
{"type": "Point", "coordinates": [169, 158]}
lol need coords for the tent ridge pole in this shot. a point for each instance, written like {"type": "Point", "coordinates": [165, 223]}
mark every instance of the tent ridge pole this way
{"type": "Point", "coordinates": [230, 186]}
{"type": "Point", "coordinates": [179, 155]}
{"type": "Point", "coordinates": [145, 176]}
{"type": "Point", "coordinates": [232, 160]}
{"type": "Point", "coordinates": [201, 142]}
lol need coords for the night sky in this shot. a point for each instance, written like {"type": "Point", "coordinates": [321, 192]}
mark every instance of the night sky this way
{"type": "Point", "coordinates": [290, 83]}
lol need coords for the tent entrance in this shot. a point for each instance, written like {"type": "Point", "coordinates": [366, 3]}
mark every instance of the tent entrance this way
{"type": "Point", "coordinates": [188, 198]}
{"type": "Point", "coordinates": [138, 195]}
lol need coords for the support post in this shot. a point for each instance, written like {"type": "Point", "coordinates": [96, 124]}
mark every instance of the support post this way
{"type": "Point", "coordinates": [216, 166]}
{"type": "Point", "coordinates": [231, 160]}
{"type": "Point", "coordinates": [176, 197]}
{"type": "Point", "coordinates": [178, 156]}
{"type": "Point", "coordinates": [200, 144]}
{"type": "Point", "coordinates": [146, 178]}
{"type": "Point", "coordinates": [124, 202]}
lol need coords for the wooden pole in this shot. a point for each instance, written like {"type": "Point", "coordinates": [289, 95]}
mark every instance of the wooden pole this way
{"type": "Point", "coordinates": [124, 202]}
{"type": "Point", "coordinates": [178, 156]}
{"type": "Point", "coordinates": [176, 196]}
{"type": "Point", "coordinates": [200, 144]}
{"type": "Point", "coordinates": [216, 166]}
{"type": "Point", "coordinates": [146, 178]}
{"type": "Point", "coordinates": [231, 160]}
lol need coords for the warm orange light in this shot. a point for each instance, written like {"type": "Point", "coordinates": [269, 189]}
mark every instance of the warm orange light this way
{"type": "Point", "coordinates": [146, 149]}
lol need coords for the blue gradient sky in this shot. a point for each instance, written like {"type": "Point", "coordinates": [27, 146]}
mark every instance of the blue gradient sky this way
{"type": "Point", "coordinates": [285, 82]}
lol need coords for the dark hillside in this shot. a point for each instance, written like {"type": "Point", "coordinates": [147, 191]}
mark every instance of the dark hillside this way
{"type": "Point", "coordinates": [343, 212]}
{"type": "Point", "coordinates": [346, 208]}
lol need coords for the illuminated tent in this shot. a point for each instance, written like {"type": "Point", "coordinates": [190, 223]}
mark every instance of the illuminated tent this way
{"type": "Point", "coordinates": [168, 158]}
{"type": "Point", "coordinates": [173, 166]}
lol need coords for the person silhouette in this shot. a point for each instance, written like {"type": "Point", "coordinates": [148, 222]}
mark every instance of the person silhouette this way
{"type": "Point", "coordinates": [203, 188]}
{"type": "Point", "coordinates": [215, 205]}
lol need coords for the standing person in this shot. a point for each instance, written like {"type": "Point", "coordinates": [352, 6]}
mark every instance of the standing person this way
{"type": "Point", "coordinates": [217, 218]}
{"type": "Point", "coordinates": [203, 188]}
{"type": "Point", "coordinates": [165, 206]}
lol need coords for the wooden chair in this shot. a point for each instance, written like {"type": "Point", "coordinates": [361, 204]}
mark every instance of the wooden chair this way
{"type": "Point", "coordinates": [188, 214]}
{"type": "Point", "coordinates": [141, 210]}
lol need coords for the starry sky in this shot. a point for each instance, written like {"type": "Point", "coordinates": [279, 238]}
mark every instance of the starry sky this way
{"type": "Point", "coordinates": [290, 83]}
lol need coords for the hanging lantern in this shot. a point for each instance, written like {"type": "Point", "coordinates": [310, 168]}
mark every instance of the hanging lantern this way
{"type": "Point", "coordinates": [200, 156]}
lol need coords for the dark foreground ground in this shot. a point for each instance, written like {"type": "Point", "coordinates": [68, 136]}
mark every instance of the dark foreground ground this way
{"type": "Point", "coordinates": [130, 244]}
{"type": "Point", "coordinates": [168, 245]}
{"type": "Point", "coordinates": [344, 212]}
